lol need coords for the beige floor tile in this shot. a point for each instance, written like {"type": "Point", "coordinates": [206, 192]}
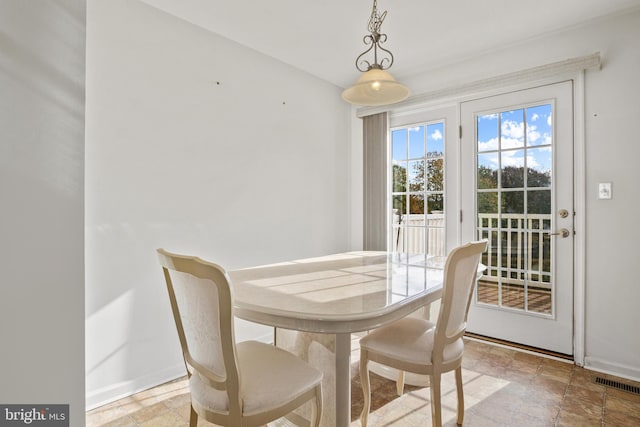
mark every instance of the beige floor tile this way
{"type": "Point", "coordinates": [568, 419]}
{"type": "Point", "coordinates": [620, 419]}
{"type": "Point", "coordinates": [502, 387]}
{"type": "Point", "coordinates": [149, 412]}
{"type": "Point", "coordinates": [168, 419]}
{"type": "Point", "coordinates": [622, 401]}
{"type": "Point", "coordinates": [577, 406]}
{"type": "Point", "coordinates": [578, 392]}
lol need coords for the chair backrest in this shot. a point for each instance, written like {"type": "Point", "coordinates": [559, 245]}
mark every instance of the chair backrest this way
{"type": "Point", "coordinates": [201, 300]}
{"type": "Point", "coordinates": [460, 273]}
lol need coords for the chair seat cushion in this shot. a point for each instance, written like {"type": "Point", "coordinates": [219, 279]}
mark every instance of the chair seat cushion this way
{"type": "Point", "coordinates": [409, 340]}
{"type": "Point", "coordinates": [269, 377]}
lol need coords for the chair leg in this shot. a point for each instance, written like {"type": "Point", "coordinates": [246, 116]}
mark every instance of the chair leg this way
{"type": "Point", "coordinates": [460, 395]}
{"type": "Point", "coordinates": [366, 387]}
{"type": "Point", "coordinates": [193, 418]}
{"type": "Point", "coordinates": [400, 383]}
{"type": "Point", "coordinates": [436, 403]}
{"type": "Point", "coordinates": [316, 415]}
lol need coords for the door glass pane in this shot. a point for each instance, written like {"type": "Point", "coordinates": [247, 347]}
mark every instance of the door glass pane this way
{"type": "Point", "coordinates": [418, 170]}
{"type": "Point", "coordinates": [512, 171]}
{"type": "Point", "coordinates": [416, 175]}
{"type": "Point", "coordinates": [399, 176]}
{"type": "Point", "coordinates": [513, 200]}
{"type": "Point", "coordinates": [399, 208]}
{"type": "Point", "coordinates": [416, 142]}
{"type": "Point", "coordinates": [511, 129]}
{"type": "Point", "coordinates": [435, 139]}
{"type": "Point", "coordinates": [488, 204]}
{"type": "Point", "coordinates": [539, 167]}
{"type": "Point", "coordinates": [539, 121]}
{"type": "Point", "coordinates": [416, 209]}
{"type": "Point", "coordinates": [435, 174]}
{"type": "Point", "coordinates": [415, 244]}
{"type": "Point", "coordinates": [399, 144]}
{"type": "Point", "coordinates": [488, 132]}
{"type": "Point", "coordinates": [539, 202]}
{"type": "Point", "coordinates": [435, 204]}
{"type": "Point", "coordinates": [488, 170]}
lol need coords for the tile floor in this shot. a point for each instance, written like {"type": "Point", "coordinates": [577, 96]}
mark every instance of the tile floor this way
{"type": "Point", "coordinates": [503, 387]}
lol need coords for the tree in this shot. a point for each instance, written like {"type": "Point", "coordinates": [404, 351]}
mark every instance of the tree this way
{"type": "Point", "coordinates": [429, 176]}
{"type": "Point", "coordinates": [400, 185]}
{"type": "Point", "coordinates": [513, 179]}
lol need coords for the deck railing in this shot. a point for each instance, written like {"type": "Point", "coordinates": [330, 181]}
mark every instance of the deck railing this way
{"type": "Point", "coordinates": [411, 236]}
{"type": "Point", "coordinates": [518, 252]}
{"type": "Point", "coordinates": [519, 249]}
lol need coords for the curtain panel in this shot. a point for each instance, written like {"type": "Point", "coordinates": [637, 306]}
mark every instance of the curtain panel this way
{"type": "Point", "coordinates": [375, 129]}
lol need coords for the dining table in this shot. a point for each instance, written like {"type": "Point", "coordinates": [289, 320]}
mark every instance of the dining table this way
{"type": "Point", "coordinates": [315, 304]}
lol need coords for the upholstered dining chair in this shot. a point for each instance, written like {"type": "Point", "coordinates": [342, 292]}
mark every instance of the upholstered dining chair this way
{"type": "Point", "coordinates": [419, 346]}
{"type": "Point", "coordinates": [245, 384]}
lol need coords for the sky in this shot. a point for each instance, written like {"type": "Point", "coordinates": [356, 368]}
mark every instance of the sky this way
{"type": "Point", "coordinates": [516, 137]}
{"type": "Point", "coordinates": [411, 141]}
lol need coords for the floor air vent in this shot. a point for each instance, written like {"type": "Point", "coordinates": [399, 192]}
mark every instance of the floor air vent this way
{"type": "Point", "coordinates": [620, 386]}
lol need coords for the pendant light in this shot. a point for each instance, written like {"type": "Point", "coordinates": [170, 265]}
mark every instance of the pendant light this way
{"type": "Point", "coordinates": [376, 86]}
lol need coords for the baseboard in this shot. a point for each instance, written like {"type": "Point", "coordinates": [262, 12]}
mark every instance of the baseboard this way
{"type": "Point", "coordinates": [123, 389]}
{"type": "Point", "coordinates": [623, 371]}
{"type": "Point", "coordinates": [111, 393]}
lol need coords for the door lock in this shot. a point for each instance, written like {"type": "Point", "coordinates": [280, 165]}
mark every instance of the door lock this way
{"type": "Point", "coordinates": [564, 233]}
{"type": "Point", "coordinates": [563, 213]}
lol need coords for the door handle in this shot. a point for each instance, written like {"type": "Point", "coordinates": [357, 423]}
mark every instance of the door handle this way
{"type": "Point", "coordinates": [563, 233]}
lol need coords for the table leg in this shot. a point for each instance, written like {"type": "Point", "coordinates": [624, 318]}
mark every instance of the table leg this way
{"type": "Point", "coordinates": [343, 379]}
{"type": "Point", "coordinates": [330, 353]}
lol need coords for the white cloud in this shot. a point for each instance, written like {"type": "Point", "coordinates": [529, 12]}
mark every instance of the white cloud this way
{"type": "Point", "coordinates": [549, 121]}
{"type": "Point", "coordinates": [511, 143]}
{"type": "Point", "coordinates": [512, 129]}
{"type": "Point", "coordinates": [509, 159]}
{"type": "Point", "coordinates": [436, 134]}
{"type": "Point", "coordinates": [491, 144]}
{"type": "Point", "coordinates": [532, 134]}
{"type": "Point", "coordinates": [489, 116]}
{"type": "Point", "coordinates": [532, 163]}
{"type": "Point", "coordinates": [536, 138]}
{"type": "Point", "coordinates": [535, 117]}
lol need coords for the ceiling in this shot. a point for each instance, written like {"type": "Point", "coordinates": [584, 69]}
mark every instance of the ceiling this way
{"type": "Point", "coordinates": [324, 37]}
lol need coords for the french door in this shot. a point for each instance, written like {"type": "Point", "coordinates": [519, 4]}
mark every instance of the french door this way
{"type": "Point", "coordinates": [517, 192]}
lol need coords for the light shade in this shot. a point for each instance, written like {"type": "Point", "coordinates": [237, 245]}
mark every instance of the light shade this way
{"type": "Point", "coordinates": [375, 87]}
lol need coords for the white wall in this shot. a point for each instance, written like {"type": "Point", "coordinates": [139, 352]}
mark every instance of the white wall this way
{"type": "Point", "coordinates": [42, 66]}
{"type": "Point", "coordinates": [248, 171]}
{"type": "Point", "coordinates": [612, 151]}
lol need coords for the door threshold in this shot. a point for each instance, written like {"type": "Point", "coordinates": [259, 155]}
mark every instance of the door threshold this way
{"type": "Point", "coordinates": [521, 347]}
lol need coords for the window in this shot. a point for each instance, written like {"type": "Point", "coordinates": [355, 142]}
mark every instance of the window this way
{"type": "Point", "coordinates": [417, 191]}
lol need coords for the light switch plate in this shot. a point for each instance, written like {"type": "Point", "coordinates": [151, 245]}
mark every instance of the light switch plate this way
{"type": "Point", "coordinates": [604, 190]}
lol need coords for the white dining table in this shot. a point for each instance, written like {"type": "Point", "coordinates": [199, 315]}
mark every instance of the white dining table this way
{"type": "Point", "coordinates": [322, 300]}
